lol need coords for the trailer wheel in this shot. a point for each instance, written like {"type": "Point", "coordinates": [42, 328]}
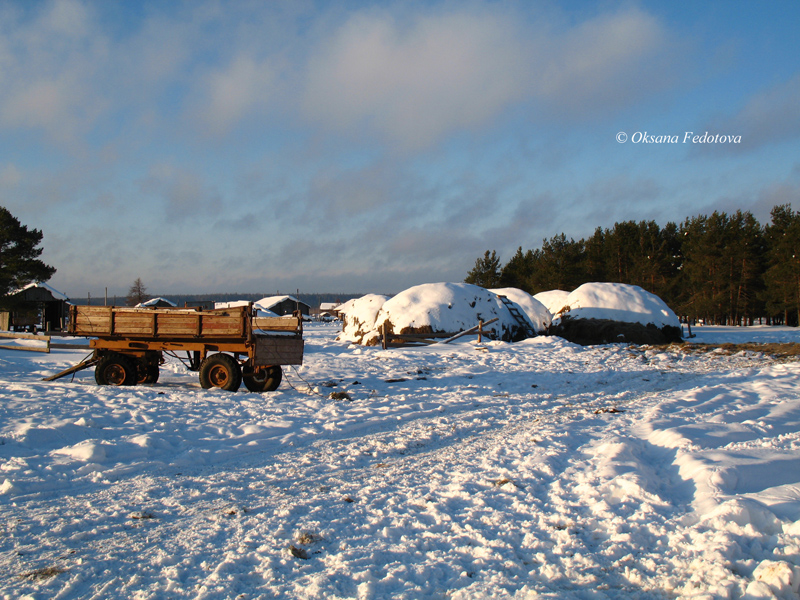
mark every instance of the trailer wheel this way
{"type": "Point", "coordinates": [146, 373]}
{"type": "Point", "coordinates": [266, 380]}
{"type": "Point", "coordinates": [115, 369]}
{"type": "Point", "coordinates": [221, 371]}
{"type": "Point", "coordinates": [146, 370]}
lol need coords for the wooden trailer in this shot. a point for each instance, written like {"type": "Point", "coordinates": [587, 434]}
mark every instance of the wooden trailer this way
{"type": "Point", "coordinates": [225, 346]}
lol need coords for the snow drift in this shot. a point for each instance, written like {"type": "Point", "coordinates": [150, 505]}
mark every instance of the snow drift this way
{"type": "Point", "coordinates": [603, 313]}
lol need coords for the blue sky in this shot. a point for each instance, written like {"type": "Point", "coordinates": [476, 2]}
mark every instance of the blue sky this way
{"type": "Point", "coordinates": [210, 146]}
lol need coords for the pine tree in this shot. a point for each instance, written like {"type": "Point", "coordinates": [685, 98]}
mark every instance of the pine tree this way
{"type": "Point", "coordinates": [19, 252]}
{"type": "Point", "coordinates": [782, 276]}
{"type": "Point", "coordinates": [486, 272]}
{"type": "Point", "coordinates": [517, 271]}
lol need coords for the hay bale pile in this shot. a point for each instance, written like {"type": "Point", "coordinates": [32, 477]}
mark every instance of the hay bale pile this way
{"type": "Point", "coordinates": [446, 308]}
{"type": "Point", "coordinates": [607, 313]}
{"type": "Point", "coordinates": [359, 319]}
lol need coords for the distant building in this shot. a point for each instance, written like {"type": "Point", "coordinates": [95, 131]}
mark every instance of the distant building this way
{"type": "Point", "coordinates": [156, 303]}
{"type": "Point", "coordinates": [283, 305]}
{"type": "Point", "coordinates": [35, 306]}
{"type": "Point", "coordinates": [327, 311]}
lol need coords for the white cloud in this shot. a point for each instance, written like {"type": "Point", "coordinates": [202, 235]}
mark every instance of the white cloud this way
{"type": "Point", "coordinates": [770, 116]}
{"type": "Point", "coordinates": [230, 95]}
{"type": "Point", "coordinates": [605, 63]}
{"type": "Point", "coordinates": [48, 62]}
{"type": "Point", "coordinates": [415, 81]}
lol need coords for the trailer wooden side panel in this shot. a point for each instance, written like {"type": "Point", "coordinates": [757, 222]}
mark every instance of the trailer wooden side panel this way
{"type": "Point", "coordinates": [277, 323]}
{"type": "Point", "coordinates": [179, 326]}
{"type": "Point", "coordinates": [89, 320]}
{"type": "Point", "coordinates": [159, 323]}
{"type": "Point", "coordinates": [227, 325]}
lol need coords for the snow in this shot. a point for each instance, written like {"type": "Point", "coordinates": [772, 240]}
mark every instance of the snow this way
{"type": "Point", "coordinates": [269, 302]}
{"type": "Point", "coordinates": [359, 318]}
{"type": "Point", "coordinates": [257, 308]}
{"type": "Point", "coordinates": [554, 300]}
{"type": "Point", "coordinates": [154, 301]}
{"type": "Point", "coordinates": [538, 469]}
{"type": "Point", "coordinates": [448, 308]}
{"type": "Point", "coordinates": [618, 302]}
{"type": "Point", "coordinates": [537, 313]}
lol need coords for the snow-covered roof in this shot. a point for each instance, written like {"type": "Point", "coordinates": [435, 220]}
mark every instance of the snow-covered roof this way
{"type": "Point", "coordinates": [234, 304]}
{"type": "Point", "coordinates": [328, 305]}
{"type": "Point", "coordinates": [56, 294]}
{"type": "Point", "coordinates": [268, 302]}
{"type": "Point", "coordinates": [154, 302]}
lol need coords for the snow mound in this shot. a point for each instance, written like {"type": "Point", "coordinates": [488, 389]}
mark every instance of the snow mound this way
{"type": "Point", "coordinates": [447, 308]}
{"type": "Point", "coordinates": [538, 314]}
{"type": "Point", "coordinates": [359, 319]}
{"type": "Point", "coordinates": [554, 300]}
{"type": "Point", "coordinates": [606, 313]}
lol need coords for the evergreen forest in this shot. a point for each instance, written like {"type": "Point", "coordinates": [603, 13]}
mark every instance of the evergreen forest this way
{"type": "Point", "coordinates": [724, 269]}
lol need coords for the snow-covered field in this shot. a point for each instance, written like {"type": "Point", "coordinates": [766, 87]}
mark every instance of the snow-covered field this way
{"type": "Point", "coordinates": [527, 470]}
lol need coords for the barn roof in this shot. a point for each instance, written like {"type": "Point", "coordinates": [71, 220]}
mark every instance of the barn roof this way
{"type": "Point", "coordinates": [270, 301]}
{"type": "Point", "coordinates": [36, 284]}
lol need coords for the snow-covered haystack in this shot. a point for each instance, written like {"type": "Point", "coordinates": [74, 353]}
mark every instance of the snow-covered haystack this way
{"type": "Point", "coordinates": [447, 308]}
{"type": "Point", "coordinates": [538, 314]}
{"type": "Point", "coordinates": [359, 319]}
{"type": "Point", "coordinates": [554, 300]}
{"type": "Point", "coordinates": [605, 313]}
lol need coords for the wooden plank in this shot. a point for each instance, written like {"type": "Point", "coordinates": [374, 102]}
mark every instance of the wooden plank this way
{"type": "Point", "coordinates": [45, 350]}
{"type": "Point", "coordinates": [177, 326]}
{"type": "Point", "coordinates": [90, 320]}
{"type": "Point", "coordinates": [85, 364]}
{"type": "Point", "coordinates": [468, 331]}
{"type": "Point", "coordinates": [23, 336]}
{"type": "Point", "coordinates": [276, 323]}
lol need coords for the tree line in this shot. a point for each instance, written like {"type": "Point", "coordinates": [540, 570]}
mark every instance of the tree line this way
{"type": "Point", "coordinates": [726, 269]}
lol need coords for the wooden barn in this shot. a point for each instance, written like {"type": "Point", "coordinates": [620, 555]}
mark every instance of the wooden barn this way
{"type": "Point", "coordinates": [36, 306]}
{"type": "Point", "coordinates": [283, 305]}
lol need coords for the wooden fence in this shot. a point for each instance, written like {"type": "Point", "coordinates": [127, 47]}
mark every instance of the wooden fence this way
{"type": "Point", "coordinates": [46, 339]}
{"type": "Point", "coordinates": [395, 340]}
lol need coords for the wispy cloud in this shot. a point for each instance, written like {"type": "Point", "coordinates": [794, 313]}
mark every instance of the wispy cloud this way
{"type": "Point", "coordinates": [184, 193]}
{"type": "Point", "coordinates": [770, 116]}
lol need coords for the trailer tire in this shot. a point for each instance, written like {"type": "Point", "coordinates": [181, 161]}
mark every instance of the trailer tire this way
{"type": "Point", "coordinates": [220, 371]}
{"type": "Point", "coordinates": [146, 370]}
{"type": "Point", "coordinates": [115, 369]}
{"type": "Point", "coordinates": [267, 380]}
